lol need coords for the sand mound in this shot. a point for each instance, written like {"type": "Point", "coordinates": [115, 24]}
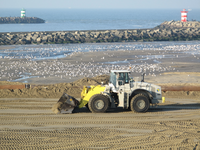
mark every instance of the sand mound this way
{"type": "Point", "coordinates": [52, 91]}
{"type": "Point", "coordinates": [74, 89]}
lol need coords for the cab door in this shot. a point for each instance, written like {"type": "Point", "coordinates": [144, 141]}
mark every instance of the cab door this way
{"type": "Point", "coordinates": [124, 89]}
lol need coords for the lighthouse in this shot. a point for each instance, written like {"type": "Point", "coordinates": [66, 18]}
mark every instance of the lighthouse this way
{"type": "Point", "coordinates": [184, 15]}
{"type": "Point", "coordinates": [23, 13]}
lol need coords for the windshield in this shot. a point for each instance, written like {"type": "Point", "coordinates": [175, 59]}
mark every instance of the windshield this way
{"type": "Point", "coordinates": [124, 76]}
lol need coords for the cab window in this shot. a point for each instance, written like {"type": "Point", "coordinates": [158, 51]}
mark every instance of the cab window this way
{"type": "Point", "coordinates": [113, 78]}
{"type": "Point", "coordinates": [123, 78]}
{"type": "Point", "coordinates": [126, 78]}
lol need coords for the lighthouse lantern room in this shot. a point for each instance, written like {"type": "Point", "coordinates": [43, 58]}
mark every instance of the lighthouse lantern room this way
{"type": "Point", "coordinates": [184, 15]}
{"type": "Point", "coordinates": [23, 13]}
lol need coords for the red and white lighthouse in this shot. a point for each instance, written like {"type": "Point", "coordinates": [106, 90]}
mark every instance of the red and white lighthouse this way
{"type": "Point", "coordinates": [184, 15]}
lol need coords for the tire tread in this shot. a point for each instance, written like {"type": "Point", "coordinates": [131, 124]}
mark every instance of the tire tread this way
{"type": "Point", "coordinates": [102, 97]}
{"type": "Point", "coordinates": [133, 100]}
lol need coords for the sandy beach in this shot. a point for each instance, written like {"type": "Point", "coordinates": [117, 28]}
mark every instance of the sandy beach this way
{"type": "Point", "coordinates": [150, 59]}
{"type": "Point", "coordinates": [30, 124]}
{"type": "Point", "coordinates": [27, 121]}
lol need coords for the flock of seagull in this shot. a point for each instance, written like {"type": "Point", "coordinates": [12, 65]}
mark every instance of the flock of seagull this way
{"type": "Point", "coordinates": [42, 61]}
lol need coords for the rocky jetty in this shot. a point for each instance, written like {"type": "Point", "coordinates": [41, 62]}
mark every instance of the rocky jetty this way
{"type": "Point", "coordinates": [167, 31]}
{"type": "Point", "coordinates": [8, 20]}
{"type": "Point", "coordinates": [179, 24]}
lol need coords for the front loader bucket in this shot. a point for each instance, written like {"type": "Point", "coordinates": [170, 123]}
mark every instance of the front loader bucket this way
{"type": "Point", "coordinates": [65, 104]}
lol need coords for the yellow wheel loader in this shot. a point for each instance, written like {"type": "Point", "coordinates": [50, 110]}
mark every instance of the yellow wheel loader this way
{"type": "Point", "coordinates": [122, 91]}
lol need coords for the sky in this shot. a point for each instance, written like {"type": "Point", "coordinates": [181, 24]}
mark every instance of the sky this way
{"type": "Point", "coordinates": [102, 4]}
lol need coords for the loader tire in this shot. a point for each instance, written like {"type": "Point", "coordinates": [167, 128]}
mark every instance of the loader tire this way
{"type": "Point", "coordinates": [98, 103]}
{"type": "Point", "coordinates": [139, 103]}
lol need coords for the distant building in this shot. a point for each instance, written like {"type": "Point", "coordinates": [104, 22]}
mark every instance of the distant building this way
{"type": "Point", "coordinates": [23, 13]}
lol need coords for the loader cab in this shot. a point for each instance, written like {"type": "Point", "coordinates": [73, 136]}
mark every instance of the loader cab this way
{"type": "Point", "coordinates": [121, 81]}
{"type": "Point", "coordinates": [120, 78]}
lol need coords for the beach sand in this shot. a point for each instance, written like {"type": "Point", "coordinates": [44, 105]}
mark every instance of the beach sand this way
{"type": "Point", "coordinates": [27, 121]}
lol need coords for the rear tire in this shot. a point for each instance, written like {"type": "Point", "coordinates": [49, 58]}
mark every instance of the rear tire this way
{"type": "Point", "coordinates": [139, 103]}
{"type": "Point", "coordinates": [98, 103]}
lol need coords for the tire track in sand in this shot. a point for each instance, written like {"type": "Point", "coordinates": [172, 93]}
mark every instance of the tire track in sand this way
{"type": "Point", "coordinates": [38, 128]}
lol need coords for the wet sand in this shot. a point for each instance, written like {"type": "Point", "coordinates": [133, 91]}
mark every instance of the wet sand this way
{"type": "Point", "coordinates": [90, 64]}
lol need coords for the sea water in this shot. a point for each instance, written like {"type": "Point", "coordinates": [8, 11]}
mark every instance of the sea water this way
{"type": "Point", "coordinates": [93, 19]}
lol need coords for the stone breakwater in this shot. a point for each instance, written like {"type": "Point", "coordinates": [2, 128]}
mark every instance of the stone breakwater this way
{"type": "Point", "coordinates": [179, 24]}
{"type": "Point", "coordinates": [12, 20]}
{"type": "Point", "coordinates": [167, 31]}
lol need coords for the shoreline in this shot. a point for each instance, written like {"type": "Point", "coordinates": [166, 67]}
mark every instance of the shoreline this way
{"type": "Point", "coordinates": [155, 63]}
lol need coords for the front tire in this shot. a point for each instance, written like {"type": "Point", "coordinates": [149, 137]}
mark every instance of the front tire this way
{"type": "Point", "coordinates": [98, 103]}
{"type": "Point", "coordinates": [139, 103]}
